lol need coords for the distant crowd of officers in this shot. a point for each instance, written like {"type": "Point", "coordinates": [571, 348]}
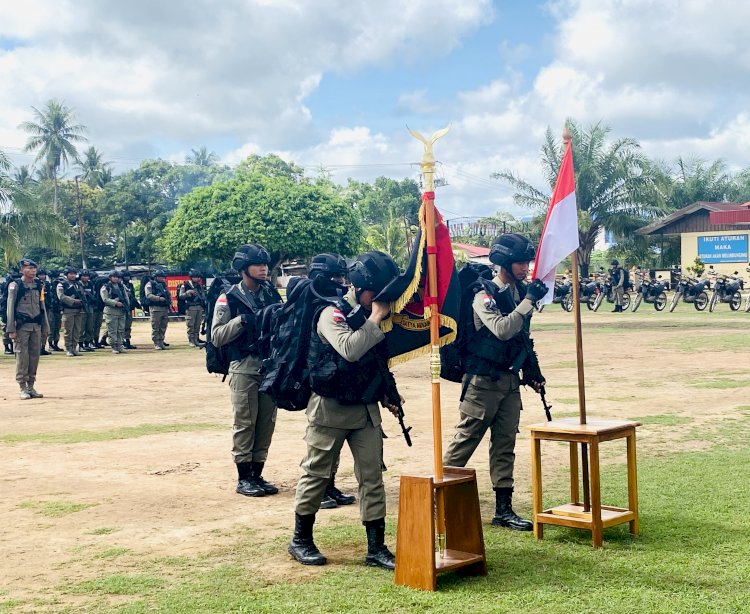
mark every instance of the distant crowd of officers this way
{"type": "Point", "coordinates": [39, 305]}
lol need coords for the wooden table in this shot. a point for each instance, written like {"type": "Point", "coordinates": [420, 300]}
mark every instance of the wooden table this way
{"type": "Point", "coordinates": [574, 514]}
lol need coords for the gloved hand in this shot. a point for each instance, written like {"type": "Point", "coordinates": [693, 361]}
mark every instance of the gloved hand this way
{"type": "Point", "coordinates": [536, 290]}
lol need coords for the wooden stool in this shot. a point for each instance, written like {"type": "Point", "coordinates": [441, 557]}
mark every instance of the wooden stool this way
{"type": "Point", "coordinates": [572, 514]}
{"type": "Point", "coordinates": [417, 562]}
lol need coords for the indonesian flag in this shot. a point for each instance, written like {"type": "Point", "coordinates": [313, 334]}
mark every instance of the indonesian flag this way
{"type": "Point", "coordinates": [560, 233]}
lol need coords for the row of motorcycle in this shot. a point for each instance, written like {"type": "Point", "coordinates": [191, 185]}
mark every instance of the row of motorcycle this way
{"type": "Point", "coordinates": [692, 290]}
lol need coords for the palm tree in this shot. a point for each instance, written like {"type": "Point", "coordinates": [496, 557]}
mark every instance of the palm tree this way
{"type": "Point", "coordinates": [23, 223]}
{"type": "Point", "coordinates": [96, 172]}
{"type": "Point", "coordinates": [617, 187]}
{"type": "Point", "coordinates": [391, 236]}
{"type": "Point", "coordinates": [23, 177]}
{"type": "Point", "coordinates": [53, 134]}
{"type": "Point", "coordinates": [202, 157]}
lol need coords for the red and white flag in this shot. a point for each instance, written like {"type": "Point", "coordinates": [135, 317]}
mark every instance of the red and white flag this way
{"type": "Point", "coordinates": [560, 233]}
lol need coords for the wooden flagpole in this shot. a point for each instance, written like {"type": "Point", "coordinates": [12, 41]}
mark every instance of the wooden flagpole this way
{"type": "Point", "coordinates": [427, 166]}
{"type": "Point", "coordinates": [567, 138]}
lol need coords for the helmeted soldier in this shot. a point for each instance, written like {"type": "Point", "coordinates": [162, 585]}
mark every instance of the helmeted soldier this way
{"type": "Point", "coordinates": [133, 303]}
{"type": "Point", "coordinates": [333, 267]}
{"type": "Point", "coordinates": [159, 305]}
{"type": "Point", "coordinates": [234, 327]}
{"type": "Point", "coordinates": [116, 305]}
{"type": "Point", "coordinates": [617, 276]}
{"type": "Point", "coordinates": [348, 371]}
{"type": "Point", "coordinates": [27, 325]}
{"type": "Point", "coordinates": [192, 292]}
{"type": "Point", "coordinates": [70, 294]}
{"type": "Point", "coordinates": [491, 399]}
{"type": "Point", "coordinates": [86, 340]}
{"type": "Point", "coordinates": [54, 311]}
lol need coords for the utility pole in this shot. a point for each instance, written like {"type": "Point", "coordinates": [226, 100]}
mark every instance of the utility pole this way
{"type": "Point", "coordinates": [80, 222]}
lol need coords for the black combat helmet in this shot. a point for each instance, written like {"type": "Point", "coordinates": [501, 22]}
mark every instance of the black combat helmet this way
{"type": "Point", "coordinates": [327, 265]}
{"type": "Point", "coordinates": [615, 263]}
{"type": "Point", "coordinates": [112, 274]}
{"type": "Point", "coordinates": [247, 255]}
{"type": "Point", "coordinates": [510, 248]}
{"type": "Point", "coordinates": [26, 262]}
{"type": "Point", "coordinates": [159, 273]}
{"type": "Point", "coordinates": [125, 275]}
{"type": "Point", "coordinates": [41, 272]}
{"type": "Point", "coordinates": [373, 271]}
{"type": "Point", "coordinates": [70, 269]}
{"type": "Point", "coordinates": [84, 273]}
{"type": "Point", "coordinates": [54, 273]}
{"type": "Point", "coordinates": [194, 273]}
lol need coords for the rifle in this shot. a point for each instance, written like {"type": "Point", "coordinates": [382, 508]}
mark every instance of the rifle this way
{"type": "Point", "coordinates": [547, 407]}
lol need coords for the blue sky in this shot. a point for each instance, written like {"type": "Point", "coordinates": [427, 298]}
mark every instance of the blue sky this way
{"type": "Point", "coordinates": [333, 83]}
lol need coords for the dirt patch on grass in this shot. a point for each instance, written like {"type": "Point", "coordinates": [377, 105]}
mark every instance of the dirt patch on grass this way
{"type": "Point", "coordinates": [134, 449]}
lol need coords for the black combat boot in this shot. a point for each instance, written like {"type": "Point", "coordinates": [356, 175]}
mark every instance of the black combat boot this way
{"type": "Point", "coordinates": [378, 554]}
{"type": "Point", "coordinates": [44, 352]}
{"type": "Point", "coordinates": [129, 346]}
{"type": "Point", "coordinates": [334, 493]}
{"type": "Point", "coordinates": [56, 348]}
{"type": "Point", "coordinates": [103, 340]}
{"type": "Point", "coordinates": [9, 348]}
{"type": "Point", "coordinates": [302, 547]}
{"type": "Point", "coordinates": [504, 514]}
{"type": "Point", "coordinates": [257, 469]}
{"type": "Point", "coordinates": [247, 485]}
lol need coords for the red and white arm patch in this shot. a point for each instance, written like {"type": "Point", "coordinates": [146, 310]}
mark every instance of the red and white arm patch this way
{"type": "Point", "coordinates": [338, 316]}
{"type": "Point", "coordinates": [489, 302]}
{"type": "Point", "coordinates": [222, 300]}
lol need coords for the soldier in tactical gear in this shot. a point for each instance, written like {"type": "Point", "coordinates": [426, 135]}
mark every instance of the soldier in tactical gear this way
{"type": "Point", "coordinates": [71, 296]}
{"type": "Point", "coordinates": [617, 275]}
{"type": "Point", "coordinates": [7, 341]}
{"type": "Point", "coordinates": [27, 325]}
{"type": "Point", "coordinates": [490, 397]}
{"type": "Point", "coordinates": [332, 267]}
{"type": "Point", "coordinates": [54, 311]}
{"type": "Point", "coordinates": [159, 305]}
{"type": "Point", "coordinates": [133, 303]}
{"type": "Point", "coordinates": [116, 305]}
{"type": "Point", "coordinates": [42, 276]}
{"type": "Point", "coordinates": [347, 363]}
{"type": "Point", "coordinates": [194, 295]}
{"type": "Point", "coordinates": [234, 328]}
{"type": "Point", "coordinates": [86, 340]}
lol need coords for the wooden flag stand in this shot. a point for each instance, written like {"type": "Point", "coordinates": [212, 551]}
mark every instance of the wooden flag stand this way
{"type": "Point", "coordinates": [588, 514]}
{"type": "Point", "coordinates": [442, 509]}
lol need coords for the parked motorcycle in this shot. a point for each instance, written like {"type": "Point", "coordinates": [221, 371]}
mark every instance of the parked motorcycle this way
{"type": "Point", "coordinates": [607, 292]}
{"type": "Point", "coordinates": [563, 295]}
{"type": "Point", "coordinates": [727, 289]}
{"type": "Point", "coordinates": [652, 292]}
{"type": "Point", "coordinates": [690, 290]}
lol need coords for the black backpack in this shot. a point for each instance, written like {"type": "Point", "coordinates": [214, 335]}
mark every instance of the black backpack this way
{"type": "Point", "coordinates": [626, 279]}
{"type": "Point", "coordinates": [452, 356]}
{"type": "Point", "coordinates": [217, 358]}
{"type": "Point", "coordinates": [289, 328]}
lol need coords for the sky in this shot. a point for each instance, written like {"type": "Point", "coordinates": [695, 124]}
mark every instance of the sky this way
{"type": "Point", "coordinates": [334, 84]}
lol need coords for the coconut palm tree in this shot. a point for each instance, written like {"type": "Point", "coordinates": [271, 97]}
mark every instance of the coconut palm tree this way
{"type": "Point", "coordinates": [201, 157]}
{"type": "Point", "coordinates": [96, 172]}
{"type": "Point", "coordinates": [617, 187]}
{"type": "Point", "coordinates": [23, 223]}
{"type": "Point", "coordinates": [52, 136]}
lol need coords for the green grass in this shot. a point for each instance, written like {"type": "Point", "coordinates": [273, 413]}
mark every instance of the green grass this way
{"type": "Point", "coordinates": [9, 605]}
{"type": "Point", "coordinates": [567, 400]}
{"type": "Point", "coordinates": [722, 383]}
{"type": "Point", "coordinates": [103, 531]}
{"type": "Point", "coordinates": [119, 584]}
{"type": "Point", "coordinates": [111, 553]}
{"type": "Point", "coordinates": [743, 407]}
{"type": "Point", "coordinates": [55, 509]}
{"type": "Point", "coordinates": [693, 556]}
{"type": "Point", "coordinates": [662, 420]}
{"type": "Point", "coordinates": [691, 342]}
{"type": "Point", "coordinates": [128, 432]}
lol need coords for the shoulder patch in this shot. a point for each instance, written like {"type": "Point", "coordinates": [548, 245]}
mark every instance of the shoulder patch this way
{"type": "Point", "coordinates": [338, 316]}
{"type": "Point", "coordinates": [222, 300]}
{"type": "Point", "coordinates": [12, 285]}
{"type": "Point", "coordinates": [489, 302]}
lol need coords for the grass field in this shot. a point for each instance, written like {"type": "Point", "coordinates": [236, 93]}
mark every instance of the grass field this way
{"type": "Point", "coordinates": [130, 512]}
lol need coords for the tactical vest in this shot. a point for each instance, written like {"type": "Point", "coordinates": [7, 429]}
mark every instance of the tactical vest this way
{"type": "Point", "coordinates": [247, 343]}
{"type": "Point", "coordinates": [116, 292]}
{"type": "Point", "coordinates": [75, 291]}
{"type": "Point", "coordinates": [350, 383]}
{"type": "Point", "coordinates": [160, 289]}
{"type": "Point", "coordinates": [489, 356]}
{"type": "Point", "coordinates": [195, 301]}
{"type": "Point", "coordinates": [21, 290]}
{"type": "Point", "coordinates": [130, 290]}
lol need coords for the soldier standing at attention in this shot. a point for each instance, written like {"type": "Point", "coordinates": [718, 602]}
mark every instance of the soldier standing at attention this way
{"type": "Point", "coordinates": [54, 311]}
{"type": "Point", "coordinates": [116, 305]}
{"type": "Point", "coordinates": [70, 295]}
{"type": "Point", "coordinates": [86, 340]}
{"type": "Point", "coordinates": [618, 285]}
{"type": "Point", "coordinates": [491, 397]}
{"type": "Point", "coordinates": [27, 325]}
{"type": "Point", "coordinates": [42, 276]}
{"type": "Point", "coordinates": [192, 293]}
{"type": "Point", "coordinates": [159, 304]}
{"type": "Point", "coordinates": [348, 367]}
{"type": "Point", "coordinates": [132, 304]}
{"type": "Point", "coordinates": [234, 327]}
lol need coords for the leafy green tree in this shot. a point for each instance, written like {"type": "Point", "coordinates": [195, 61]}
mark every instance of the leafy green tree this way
{"type": "Point", "coordinates": [291, 216]}
{"type": "Point", "coordinates": [384, 200]}
{"type": "Point", "coordinates": [96, 172]}
{"type": "Point", "coordinates": [617, 187]}
{"type": "Point", "coordinates": [52, 135]}
{"type": "Point", "coordinates": [24, 223]}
